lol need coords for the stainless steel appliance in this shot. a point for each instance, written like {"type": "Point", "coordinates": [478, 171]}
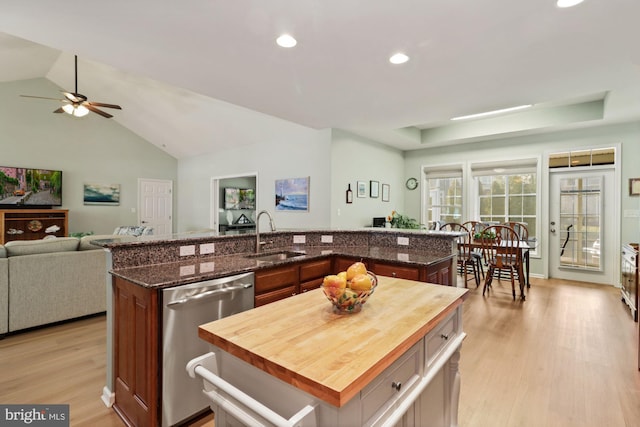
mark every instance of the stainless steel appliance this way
{"type": "Point", "coordinates": [629, 278]}
{"type": "Point", "coordinates": [184, 308]}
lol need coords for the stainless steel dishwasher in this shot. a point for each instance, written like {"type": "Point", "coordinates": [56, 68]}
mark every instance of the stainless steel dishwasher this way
{"type": "Point", "coordinates": [184, 308]}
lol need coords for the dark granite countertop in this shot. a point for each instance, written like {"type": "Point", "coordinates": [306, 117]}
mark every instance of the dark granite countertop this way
{"type": "Point", "coordinates": [207, 268]}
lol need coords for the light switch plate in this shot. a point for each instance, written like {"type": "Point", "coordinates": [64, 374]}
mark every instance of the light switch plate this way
{"type": "Point", "coordinates": [404, 241]}
{"type": "Point", "coordinates": [299, 239]}
{"type": "Point", "coordinates": [187, 250]}
{"type": "Point", "coordinates": [326, 239]}
{"type": "Point", "coordinates": [207, 248]}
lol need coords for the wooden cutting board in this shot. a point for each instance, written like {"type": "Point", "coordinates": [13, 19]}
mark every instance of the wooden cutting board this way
{"type": "Point", "coordinates": [301, 341]}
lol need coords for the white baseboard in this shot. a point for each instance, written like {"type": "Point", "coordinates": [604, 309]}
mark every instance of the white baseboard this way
{"type": "Point", "coordinates": [108, 398]}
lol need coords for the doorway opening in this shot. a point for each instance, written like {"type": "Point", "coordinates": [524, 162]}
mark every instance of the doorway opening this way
{"type": "Point", "coordinates": [233, 203]}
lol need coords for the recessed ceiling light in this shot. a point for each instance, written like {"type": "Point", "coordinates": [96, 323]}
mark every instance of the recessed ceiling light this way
{"type": "Point", "coordinates": [491, 113]}
{"type": "Point", "coordinates": [398, 58]}
{"type": "Point", "coordinates": [286, 40]}
{"type": "Point", "coordinates": [568, 3]}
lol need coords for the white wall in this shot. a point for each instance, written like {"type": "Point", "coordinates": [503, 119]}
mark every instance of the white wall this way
{"type": "Point", "coordinates": [287, 151]}
{"type": "Point", "coordinates": [353, 159]}
{"type": "Point", "coordinates": [89, 149]}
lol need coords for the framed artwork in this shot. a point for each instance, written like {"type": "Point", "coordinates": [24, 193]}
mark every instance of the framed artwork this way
{"type": "Point", "coordinates": [634, 187]}
{"type": "Point", "coordinates": [385, 192]}
{"type": "Point", "coordinates": [374, 189]}
{"type": "Point", "coordinates": [102, 195]}
{"type": "Point", "coordinates": [292, 194]}
{"type": "Point", "coordinates": [362, 189]}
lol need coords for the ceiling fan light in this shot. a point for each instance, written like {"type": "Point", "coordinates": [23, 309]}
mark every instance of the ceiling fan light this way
{"type": "Point", "coordinates": [568, 3]}
{"type": "Point", "coordinates": [78, 111]}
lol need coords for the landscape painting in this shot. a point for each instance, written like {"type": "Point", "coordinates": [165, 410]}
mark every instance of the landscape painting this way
{"type": "Point", "coordinates": [100, 194]}
{"type": "Point", "coordinates": [292, 194]}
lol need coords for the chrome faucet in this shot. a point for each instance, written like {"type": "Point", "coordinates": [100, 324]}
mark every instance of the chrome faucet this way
{"type": "Point", "coordinates": [271, 224]}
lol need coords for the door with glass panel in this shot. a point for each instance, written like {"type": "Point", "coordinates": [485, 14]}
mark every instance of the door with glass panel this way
{"type": "Point", "coordinates": [581, 205]}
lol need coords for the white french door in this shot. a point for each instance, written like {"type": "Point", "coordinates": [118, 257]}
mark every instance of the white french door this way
{"type": "Point", "coordinates": [582, 243]}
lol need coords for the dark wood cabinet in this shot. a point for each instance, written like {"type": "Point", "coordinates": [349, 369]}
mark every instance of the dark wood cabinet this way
{"type": "Point", "coordinates": [136, 353]}
{"type": "Point", "coordinates": [395, 270]}
{"type": "Point", "coordinates": [32, 224]}
{"type": "Point", "coordinates": [277, 283]}
{"type": "Point", "coordinates": [441, 273]}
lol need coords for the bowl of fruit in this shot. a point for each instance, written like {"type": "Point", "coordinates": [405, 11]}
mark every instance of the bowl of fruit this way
{"type": "Point", "coordinates": [349, 290]}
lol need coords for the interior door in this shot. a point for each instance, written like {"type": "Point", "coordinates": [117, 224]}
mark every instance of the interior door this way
{"type": "Point", "coordinates": [156, 205]}
{"type": "Point", "coordinates": [581, 211]}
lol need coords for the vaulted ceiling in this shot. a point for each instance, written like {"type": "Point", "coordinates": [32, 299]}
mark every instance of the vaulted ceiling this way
{"type": "Point", "coordinates": [196, 75]}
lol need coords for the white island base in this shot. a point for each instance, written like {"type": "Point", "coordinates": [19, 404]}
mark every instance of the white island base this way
{"type": "Point", "coordinates": [420, 387]}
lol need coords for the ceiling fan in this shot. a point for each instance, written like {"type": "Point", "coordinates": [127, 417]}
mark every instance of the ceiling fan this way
{"type": "Point", "coordinates": [77, 104]}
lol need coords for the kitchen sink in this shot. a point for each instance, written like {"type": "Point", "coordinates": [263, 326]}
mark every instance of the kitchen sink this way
{"type": "Point", "coordinates": [276, 256]}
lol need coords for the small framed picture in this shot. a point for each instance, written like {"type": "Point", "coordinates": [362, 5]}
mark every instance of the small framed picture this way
{"type": "Point", "coordinates": [374, 189]}
{"type": "Point", "coordinates": [385, 192]}
{"type": "Point", "coordinates": [634, 187]}
{"type": "Point", "coordinates": [362, 189]}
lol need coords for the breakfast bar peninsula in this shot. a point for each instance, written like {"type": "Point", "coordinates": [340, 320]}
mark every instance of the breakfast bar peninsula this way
{"type": "Point", "coordinates": [296, 362]}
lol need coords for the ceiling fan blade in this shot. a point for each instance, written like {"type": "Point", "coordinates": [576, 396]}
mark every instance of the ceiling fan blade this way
{"type": "Point", "coordinates": [100, 104]}
{"type": "Point", "coordinates": [95, 110]}
{"type": "Point", "coordinates": [43, 97]}
{"type": "Point", "coordinates": [59, 110]}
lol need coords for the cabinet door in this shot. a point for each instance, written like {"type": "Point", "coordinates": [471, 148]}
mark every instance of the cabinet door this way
{"type": "Point", "coordinates": [395, 270]}
{"type": "Point", "coordinates": [136, 353]}
{"type": "Point", "coordinates": [441, 273]}
{"type": "Point", "coordinates": [315, 269]}
{"type": "Point", "coordinates": [275, 283]}
{"type": "Point", "coordinates": [341, 263]}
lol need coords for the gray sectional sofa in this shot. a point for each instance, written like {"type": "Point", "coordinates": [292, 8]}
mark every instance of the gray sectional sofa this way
{"type": "Point", "coordinates": [50, 280]}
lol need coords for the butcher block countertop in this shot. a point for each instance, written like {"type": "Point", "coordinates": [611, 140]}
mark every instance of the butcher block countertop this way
{"type": "Point", "coordinates": [301, 341]}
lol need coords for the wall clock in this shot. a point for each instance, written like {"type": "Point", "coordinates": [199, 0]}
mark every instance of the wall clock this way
{"type": "Point", "coordinates": [412, 183]}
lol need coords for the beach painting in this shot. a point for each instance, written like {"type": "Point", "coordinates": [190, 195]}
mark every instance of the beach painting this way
{"type": "Point", "coordinates": [292, 194]}
{"type": "Point", "coordinates": [99, 194]}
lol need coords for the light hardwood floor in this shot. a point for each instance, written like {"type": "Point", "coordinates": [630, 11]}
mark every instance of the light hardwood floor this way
{"type": "Point", "coordinates": [567, 356]}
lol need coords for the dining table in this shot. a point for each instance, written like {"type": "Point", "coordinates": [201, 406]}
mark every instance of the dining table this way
{"type": "Point", "coordinates": [525, 248]}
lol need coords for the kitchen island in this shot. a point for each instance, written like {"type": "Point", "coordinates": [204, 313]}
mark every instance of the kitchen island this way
{"type": "Point", "coordinates": [142, 269]}
{"type": "Point", "coordinates": [395, 362]}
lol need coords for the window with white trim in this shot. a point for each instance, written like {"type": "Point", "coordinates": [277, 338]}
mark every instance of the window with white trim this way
{"type": "Point", "coordinates": [507, 192]}
{"type": "Point", "coordinates": [444, 195]}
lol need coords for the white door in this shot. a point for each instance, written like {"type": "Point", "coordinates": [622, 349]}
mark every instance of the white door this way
{"type": "Point", "coordinates": [155, 201]}
{"type": "Point", "coordinates": [582, 243]}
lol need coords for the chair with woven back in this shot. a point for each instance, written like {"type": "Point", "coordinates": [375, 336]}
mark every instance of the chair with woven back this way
{"type": "Point", "coordinates": [466, 261]}
{"type": "Point", "coordinates": [504, 255]}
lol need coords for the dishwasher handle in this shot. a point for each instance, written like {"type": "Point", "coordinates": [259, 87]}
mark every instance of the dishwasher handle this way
{"type": "Point", "coordinates": [210, 293]}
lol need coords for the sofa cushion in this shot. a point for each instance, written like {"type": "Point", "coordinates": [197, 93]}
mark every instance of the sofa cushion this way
{"type": "Point", "coordinates": [30, 247]}
{"type": "Point", "coordinates": [3, 252]}
{"type": "Point", "coordinates": [86, 242]}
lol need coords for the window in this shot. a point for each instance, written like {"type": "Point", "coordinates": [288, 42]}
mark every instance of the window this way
{"type": "Point", "coordinates": [507, 191]}
{"type": "Point", "coordinates": [444, 199]}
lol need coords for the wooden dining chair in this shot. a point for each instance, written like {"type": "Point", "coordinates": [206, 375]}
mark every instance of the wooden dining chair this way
{"type": "Point", "coordinates": [466, 261]}
{"type": "Point", "coordinates": [520, 228]}
{"type": "Point", "coordinates": [505, 256]}
{"type": "Point", "coordinates": [474, 228]}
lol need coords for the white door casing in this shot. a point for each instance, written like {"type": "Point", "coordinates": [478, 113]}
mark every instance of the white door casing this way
{"type": "Point", "coordinates": [155, 205]}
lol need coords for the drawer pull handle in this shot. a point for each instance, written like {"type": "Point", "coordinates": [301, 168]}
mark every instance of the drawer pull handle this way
{"type": "Point", "coordinates": [396, 386]}
{"type": "Point", "coordinates": [444, 336]}
{"type": "Point", "coordinates": [393, 274]}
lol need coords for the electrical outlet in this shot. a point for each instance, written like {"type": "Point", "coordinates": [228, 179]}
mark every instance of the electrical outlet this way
{"type": "Point", "coordinates": [207, 267]}
{"type": "Point", "coordinates": [404, 241]}
{"type": "Point", "coordinates": [187, 250]}
{"type": "Point", "coordinates": [326, 239]}
{"type": "Point", "coordinates": [299, 239]}
{"type": "Point", "coordinates": [207, 248]}
{"type": "Point", "coordinates": [187, 270]}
